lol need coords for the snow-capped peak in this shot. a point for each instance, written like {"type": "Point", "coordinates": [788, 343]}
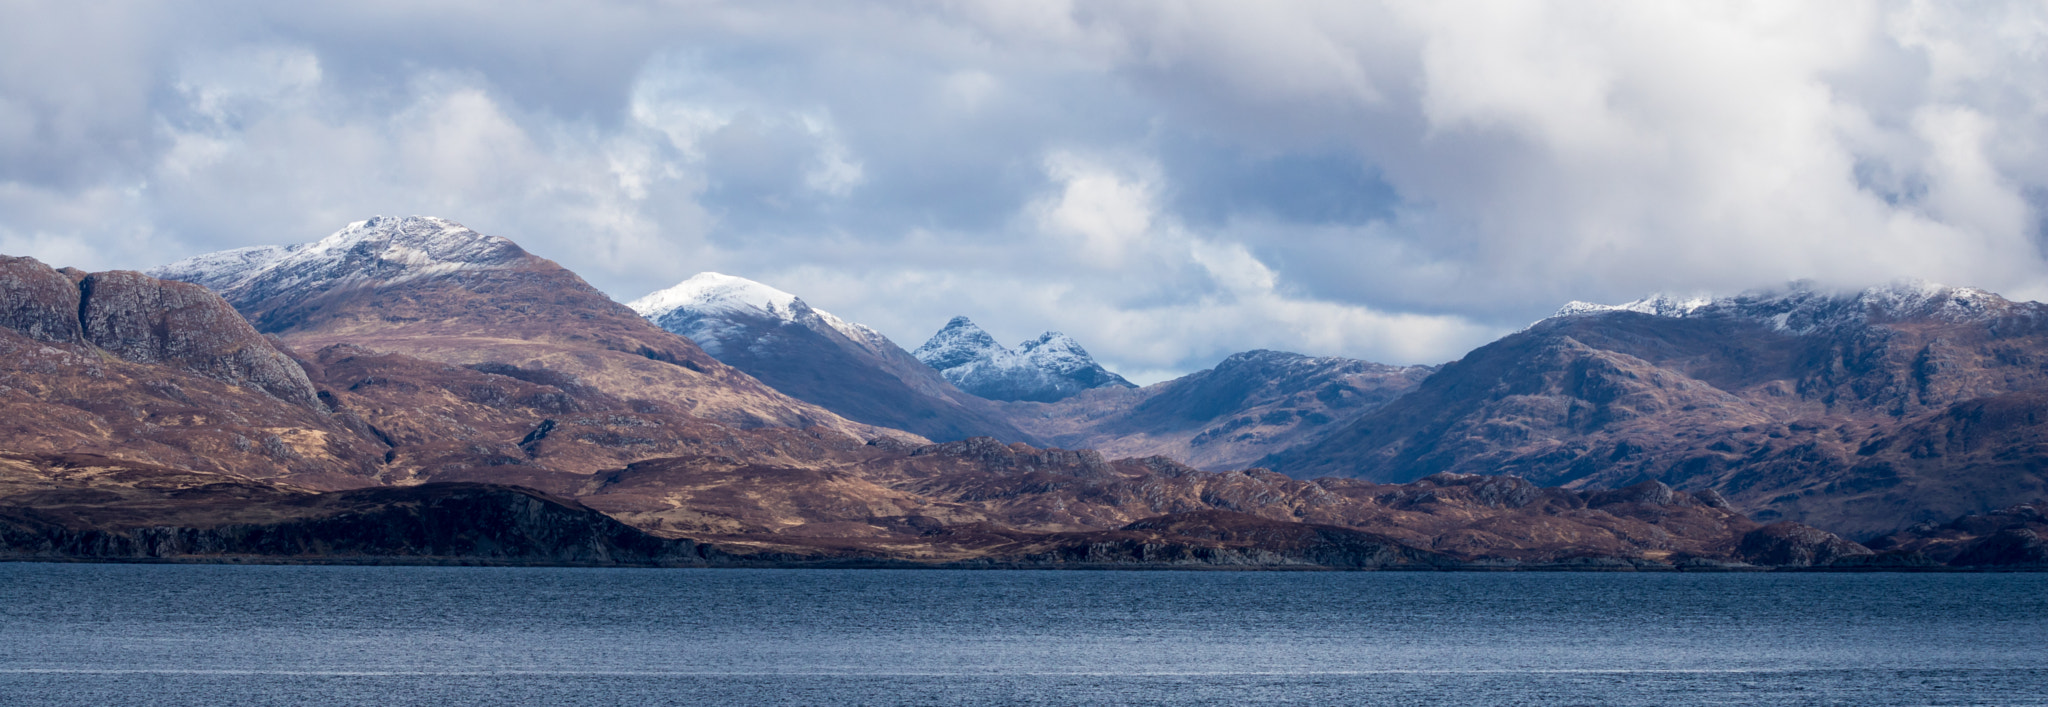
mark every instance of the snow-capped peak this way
{"type": "Point", "coordinates": [382, 249]}
{"type": "Point", "coordinates": [717, 292]}
{"type": "Point", "coordinates": [1047, 368]}
{"type": "Point", "coordinates": [702, 307]}
{"type": "Point", "coordinates": [959, 343]}
{"type": "Point", "coordinates": [1803, 306]}
{"type": "Point", "coordinates": [1056, 352]}
{"type": "Point", "coordinates": [1660, 304]}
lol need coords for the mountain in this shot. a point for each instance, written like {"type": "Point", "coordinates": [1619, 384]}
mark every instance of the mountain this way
{"type": "Point", "coordinates": [1228, 417]}
{"type": "Point", "coordinates": [434, 289]}
{"type": "Point", "coordinates": [1861, 412]}
{"type": "Point", "coordinates": [1048, 368]}
{"type": "Point", "coordinates": [813, 356]}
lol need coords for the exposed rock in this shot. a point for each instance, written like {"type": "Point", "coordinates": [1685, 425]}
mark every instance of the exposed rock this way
{"type": "Point", "coordinates": [2008, 548]}
{"type": "Point", "coordinates": [37, 301]}
{"type": "Point", "coordinates": [2007, 537]}
{"type": "Point", "coordinates": [1788, 544]}
{"type": "Point", "coordinates": [145, 320]}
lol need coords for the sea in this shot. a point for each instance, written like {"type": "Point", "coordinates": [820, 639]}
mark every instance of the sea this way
{"type": "Point", "coordinates": [124, 634]}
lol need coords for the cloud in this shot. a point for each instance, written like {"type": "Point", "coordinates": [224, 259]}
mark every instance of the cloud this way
{"type": "Point", "coordinates": [1168, 181]}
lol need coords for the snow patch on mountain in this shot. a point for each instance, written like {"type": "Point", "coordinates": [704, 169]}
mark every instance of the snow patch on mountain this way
{"type": "Point", "coordinates": [708, 308]}
{"type": "Point", "coordinates": [1047, 368]}
{"type": "Point", "coordinates": [223, 269]}
{"type": "Point", "coordinates": [382, 250]}
{"type": "Point", "coordinates": [1803, 307]}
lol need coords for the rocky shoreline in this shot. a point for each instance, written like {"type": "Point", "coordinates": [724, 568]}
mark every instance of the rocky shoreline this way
{"type": "Point", "coordinates": [470, 524]}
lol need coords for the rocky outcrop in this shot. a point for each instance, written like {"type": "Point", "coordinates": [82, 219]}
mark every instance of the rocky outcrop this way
{"type": "Point", "coordinates": [1240, 538]}
{"type": "Point", "coordinates": [1788, 544]}
{"type": "Point", "coordinates": [2012, 548]}
{"type": "Point", "coordinates": [2009, 537]}
{"type": "Point", "coordinates": [37, 301]}
{"type": "Point", "coordinates": [145, 320]}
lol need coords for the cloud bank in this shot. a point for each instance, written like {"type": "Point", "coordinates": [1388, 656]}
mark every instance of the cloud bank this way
{"type": "Point", "coordinates": [1169, 182]}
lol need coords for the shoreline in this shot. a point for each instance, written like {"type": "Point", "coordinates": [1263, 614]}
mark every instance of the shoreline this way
{"type": "Point", "coordinates": [887, 564]}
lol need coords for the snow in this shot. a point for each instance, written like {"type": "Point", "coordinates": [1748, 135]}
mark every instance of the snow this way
{"type": "Point", "coordinates": [1804, 307]}
{"type": "Point", "coordinates": [711, 295]}
{"type": "Point", "coordinates": [960, 343]}
{"type": "Point", "coordinates": [223, 269]}
{"type": "Point", "coordinates": [382, 250]}
{"type": "Point", "coordinates": [1048, 367]}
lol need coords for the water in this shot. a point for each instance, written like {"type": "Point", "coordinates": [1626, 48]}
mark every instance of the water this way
{"type": "Point", "coordinates": [229, 635]}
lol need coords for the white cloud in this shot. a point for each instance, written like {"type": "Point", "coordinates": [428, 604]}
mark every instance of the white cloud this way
{"type": "Point", "coordinates": [1103, 211]}
{"type": "Point", "coordinates": [1032, 164]}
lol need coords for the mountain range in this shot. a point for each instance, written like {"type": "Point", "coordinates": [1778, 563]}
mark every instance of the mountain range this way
{"type": "Point", "coordinates": [407, 389]}
{"type": "Point", "coordinates": [1859, 412]}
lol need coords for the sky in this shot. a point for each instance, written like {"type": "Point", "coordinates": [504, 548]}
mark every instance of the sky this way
{"type": "Point", "coordinates": [1168, 182]}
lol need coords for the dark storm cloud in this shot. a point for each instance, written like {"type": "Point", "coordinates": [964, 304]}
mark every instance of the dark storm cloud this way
{"type": "Point", "coordinates": [1167, 181]}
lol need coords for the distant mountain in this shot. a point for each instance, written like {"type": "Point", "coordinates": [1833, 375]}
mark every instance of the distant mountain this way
{"type": "Point", "coordinates": [813, 356]}
{"type": "Point", "coordinates": [1229, 417]}
{"type": "Point", "coordinates": [1860, 412]}
{"type": "Point", "coordinates": [1048, 368]}
{"type": "Point", "coordinates": [434, 289]}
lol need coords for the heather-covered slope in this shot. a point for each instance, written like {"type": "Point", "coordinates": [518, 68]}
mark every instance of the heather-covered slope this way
{"type": "Point", "coordinates": [1229, 417]}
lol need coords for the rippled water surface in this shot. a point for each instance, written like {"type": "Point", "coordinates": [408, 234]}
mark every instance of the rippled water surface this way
{"type": "Point", "coordinates": [167, 634]}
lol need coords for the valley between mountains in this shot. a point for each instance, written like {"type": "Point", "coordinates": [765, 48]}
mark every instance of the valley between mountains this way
{"type": "Point", "coordinates": [410, 390]}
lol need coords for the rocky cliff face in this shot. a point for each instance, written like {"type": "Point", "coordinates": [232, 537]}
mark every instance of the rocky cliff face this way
{"type": "Point", "coordinates": [146, 320]}
{"type": "Point", "coordinates": [160, 373]}
{"type": "Point", "coordinates": [38, 302]}
{"type": "Point", "coordinates": [1838, 410]}
{"type": "Point", "coordinates": [816, 357]}
{"type": "Point", "coordinates": [1048, 368]}
{"type": "Point", "coordinates": [434, 289]}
